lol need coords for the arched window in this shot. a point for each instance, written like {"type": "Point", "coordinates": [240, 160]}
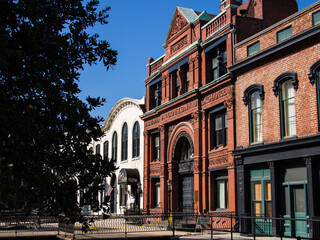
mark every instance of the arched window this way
{"type": "Point", "coordinates": [98, 149]}
{"type": "Point", "coordinates": [106, 150]}
{"type": "Point", "coordinates": [136, 140]}
{"type": "Point", "coordinates": [114, 146]}
{"type": "Point", "coordinates": [255, 121]}
{"type": "Point", "coordinates": [253, 96]}
{"type": "Point", "coordinates": [185, 149]}
{"type": "Point", "coordinates": [284, 85]}
{"type": "Point", "coordinates": [124, 142]}
{"type": "Point", "coordinates": [287, 109]}
{"type": "Point", "coordinates": [314, 77]}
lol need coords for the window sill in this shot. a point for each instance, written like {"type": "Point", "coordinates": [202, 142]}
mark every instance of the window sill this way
{"type": "Point", "coordinates": [123, 161]}
{"type": "Point", "coordinates": [136, 158]}
{"type": "Point", "coordinates": [256, 144]}
{"type": "Point", "coordinates": [289, 138]}
{"type": "Point", "coordinates": [221, 210]}
{"type": "Point", "coordinates": [218, 149]}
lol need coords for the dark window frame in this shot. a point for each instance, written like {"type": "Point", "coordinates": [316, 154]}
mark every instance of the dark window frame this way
{"type": "Point", "coordinates": [214, 144]}
{"type": "Point", "coordinates": [221, 177]}
{"type": "Point", "coordinates": [313, 19]}
{"type": "Point", "coordinates": [155, 149]}
{"type": "Point", "coordinates": [284, 110]}
{"type": "Point", "coordinates": [124, 142]}
{"type": "Point", "coordinates": [252, 113]}
{"type": "Point", "coordinates": [156, 200]}
{"type": "Point", "coordinates": [98, 149]}
{"type": "Point", "coordinates": [252, 46]}
{"type": "Point", "coordinates": [285, 30]}
{"type": "Point", "coordinates": [106, 149]}
{"type": "Point", "coordinates": [114, 146]}
{"type": "Point", "coordinates": [217, 62]}
{"type": "Point", "coordinates": [136, 140]}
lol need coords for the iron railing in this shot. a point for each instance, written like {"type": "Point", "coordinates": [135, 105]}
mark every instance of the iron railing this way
{"type": "Point", "coordinates": [218, 222]}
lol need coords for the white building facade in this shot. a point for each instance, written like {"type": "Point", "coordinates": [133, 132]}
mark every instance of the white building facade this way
{"type": "Point", "coordinates": [122, 143]}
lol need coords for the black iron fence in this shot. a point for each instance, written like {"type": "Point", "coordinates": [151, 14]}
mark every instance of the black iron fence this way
{"type": "Point", "coordinates": [222, 222]}
{"type": "Point", "coordinates": [19, 222]}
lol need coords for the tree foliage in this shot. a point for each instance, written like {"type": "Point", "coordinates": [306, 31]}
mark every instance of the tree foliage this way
{"type": "Point", "coordinates": [45, 128]}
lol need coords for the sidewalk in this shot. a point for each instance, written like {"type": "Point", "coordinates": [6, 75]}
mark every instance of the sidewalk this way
{"type": "Point", "coordinates": [160, 235]}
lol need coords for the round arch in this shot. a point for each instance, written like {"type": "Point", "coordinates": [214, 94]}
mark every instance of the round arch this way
{"type": "Point", "coordinates": [183, 129]}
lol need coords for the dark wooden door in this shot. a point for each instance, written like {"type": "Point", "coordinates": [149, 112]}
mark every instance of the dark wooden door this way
{"type": "Point", "coordinates": [186, 194]}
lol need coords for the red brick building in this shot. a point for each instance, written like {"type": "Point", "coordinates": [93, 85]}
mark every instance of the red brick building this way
{"type": "Point", "coordinates": [277, 117]}
{"type": "Point", "coordinates": [189, 122]}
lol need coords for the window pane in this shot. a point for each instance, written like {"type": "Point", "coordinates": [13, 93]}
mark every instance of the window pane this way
{"type": "Point", "coordinates": [286, 198]}
{"type": "Point", "coordinates": [268, 209]}
{"type": "Point", "coordinates": [300, 205]}
{"type": "Point", "coordinates": [221, 194]}
{"type": "Point", "coordinates": [257, 208]}
{"type": "Point", "coordinates": [98, 149]}
{"type": "Point", "coordinates": [106, 149]}
{"type": "Point", "coordinates": [267, 190]}
{"type": "Point", "coordinates": [289, 114]}
{"type": "Point", "coordinates": [218, 122]}
{"type": "Point", "coordinates": [316, 18]}
{"type": "Point", "coordinates": [284, 34]}
{"type": "Point", "coordinates": [187, 79]}
{"type": "Point", "coordinates": [254, 48]}
{"type": "Point", "coordinates": [257, 191]}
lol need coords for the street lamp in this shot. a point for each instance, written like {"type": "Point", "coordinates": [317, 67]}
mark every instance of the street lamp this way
{"type": "Point", "coordinates": [139, 191]}
{"type": "Point", "coordinates": [169, 182]}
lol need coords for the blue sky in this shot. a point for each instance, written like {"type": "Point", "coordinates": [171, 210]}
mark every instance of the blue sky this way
{"type": "Point", "coordinates": [137, 30]}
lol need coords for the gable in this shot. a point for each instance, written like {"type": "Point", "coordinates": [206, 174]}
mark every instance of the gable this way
{"type": "Point", "coordinates": [178, 22]}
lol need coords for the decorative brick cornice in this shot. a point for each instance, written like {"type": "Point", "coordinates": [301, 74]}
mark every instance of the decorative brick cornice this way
{"type": "Point", "coordinates": [283, 77]}
{"type": "Point", "coordinates": [252, 88]}
{"type": "Point", "coordinates": [313, 69]}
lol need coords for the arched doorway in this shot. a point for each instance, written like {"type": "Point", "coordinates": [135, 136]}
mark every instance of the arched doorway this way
{"type": "Point", "coordinates": [183, 156]}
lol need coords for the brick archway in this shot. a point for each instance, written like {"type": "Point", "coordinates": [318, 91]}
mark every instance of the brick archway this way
{"type": "Point", "coordinates": [183, 129]}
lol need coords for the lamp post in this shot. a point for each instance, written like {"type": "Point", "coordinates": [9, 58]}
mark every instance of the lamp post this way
{"type": "Point", "coordinates": [139, 194]}
{"type": "Point", "coordinates": [169, 182]}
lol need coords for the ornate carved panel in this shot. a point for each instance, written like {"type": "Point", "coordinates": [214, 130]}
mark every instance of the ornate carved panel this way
{"type": "Point", "coordinates": [155, 170]}
{"type": "Point", "coordinates": [179, 45]}
{"type": "Point", "coordinates": [186, 166]}
{"type": "Point", "coordinates": [217, 159]}
{"type": "Point", "coordinates": [178, 23]}
{"type": "Point", "coordinates": [215, 96]}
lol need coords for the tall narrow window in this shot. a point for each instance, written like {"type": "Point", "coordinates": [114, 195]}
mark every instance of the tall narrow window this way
{"type": "Point", "coordinates": [284, 34]}
{"type": "Point", "coordinates": [218, 129]}
{"type": "Point", "coordinates": [155, 95]}
{"type": "Point", "coordinates": [218, 62]}
{"type": "Point", "coordinates": [187, 79]}
{"type": "Point", "coordinates": [176, 84]}
{"type": "Point", "coordinates": [185, 149]}
{"type": "Point", "coordinates": [98, 149]}
{"type": "Point", "coordinates": [156, 146]}
{"type": "Point", "coordinates": [136, 140]}
{"type": "Point", "coordinates": [106, 150]}
{"type": "Point", "coordinates": [214, 68]}
{"type": "Point", "coordinates": [255, 117]}
{"type": "Point", "coordinates": [221, 192]}
{"type": "Point", "coordinates": [156, 192]}
{"type": "Point", "coordinates": [124, 142]}
{"type": "Point", "coordinates": [316, 18]}
{"type": "Point", "coordinates": [114, 146]}
{"type": "Point", "coordinates": [287, 107]}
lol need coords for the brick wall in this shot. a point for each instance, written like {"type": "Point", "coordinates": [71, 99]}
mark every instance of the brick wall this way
{"type": "Point", "coordinates": [299, 23]}
{"type": "Point", "coordinates": [305, 97]}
